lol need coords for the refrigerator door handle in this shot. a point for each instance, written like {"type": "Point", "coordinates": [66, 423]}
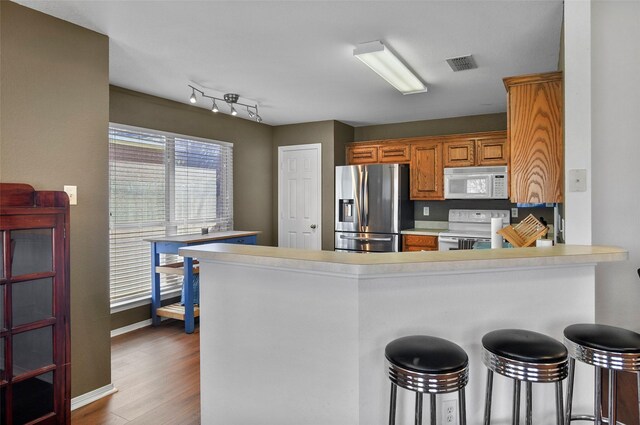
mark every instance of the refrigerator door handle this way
{"type": "Point", "coordinates": [364, 239]}
{"type": "Point", "coordinates": [365, 198]}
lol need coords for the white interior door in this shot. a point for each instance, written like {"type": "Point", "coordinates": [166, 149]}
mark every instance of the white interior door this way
{"type": "Point", "coordinates": [299, 196]}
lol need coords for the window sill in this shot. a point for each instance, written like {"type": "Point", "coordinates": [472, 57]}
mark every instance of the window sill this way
{"type": "Point", "coordinates": [138, 302]}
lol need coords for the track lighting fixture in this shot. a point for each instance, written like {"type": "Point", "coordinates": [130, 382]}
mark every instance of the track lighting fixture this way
{"type": "Point", "coordinates": [231, 99]}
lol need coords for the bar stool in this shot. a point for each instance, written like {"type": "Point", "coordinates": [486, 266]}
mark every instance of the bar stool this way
{"type": "Point", "coordinates": [528, 357]}
{"type": "Point", "coordinates": [605, 347]}
{"type": "Point", "coordinates": [427, 364]}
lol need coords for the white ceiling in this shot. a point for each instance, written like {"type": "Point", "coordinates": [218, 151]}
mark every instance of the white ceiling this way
{"type": "Point", "coordinates": [295, 58]}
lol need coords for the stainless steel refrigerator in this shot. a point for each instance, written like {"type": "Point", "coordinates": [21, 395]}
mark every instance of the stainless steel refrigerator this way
{"type": "Point", "coordinates": [371, 207]}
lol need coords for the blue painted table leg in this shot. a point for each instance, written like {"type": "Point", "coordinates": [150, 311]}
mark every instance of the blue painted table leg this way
{"type": "Point", "coordinates": [188, 295]}
{"type": "Point", "coordinates": [155, 284]}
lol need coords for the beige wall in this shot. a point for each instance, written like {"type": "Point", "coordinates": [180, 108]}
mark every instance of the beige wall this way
{"type": "Point", "coordinates": [252, 167]}
{"type": "Point", "coordinates": [468, 124]}
{"type": "Point", "coordinates": [54, 79]}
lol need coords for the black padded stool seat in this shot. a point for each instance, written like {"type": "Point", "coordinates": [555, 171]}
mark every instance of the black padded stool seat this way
{"type": "Point", "coordinates": [524, 356]}
{"type": "Point", "coordinates": [524, 346]}
{"type": "Point", "coordinates": [427, 364]}
{"type": "Point", "coordinates": [426, 354]}
{"type": "Point", "coordinates": [604, 337]}
{"type": "Point", "coordinates": [604, 347]}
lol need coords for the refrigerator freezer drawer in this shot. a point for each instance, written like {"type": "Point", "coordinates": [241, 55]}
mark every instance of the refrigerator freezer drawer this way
{"type": "Point", "coordinates": [367, 242]}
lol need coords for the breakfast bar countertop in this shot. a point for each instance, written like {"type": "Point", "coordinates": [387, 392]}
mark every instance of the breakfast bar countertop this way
{"type": "Point", "coordinates": [411, 262]}
{"type": "Point", "coordinates": [271, 315]}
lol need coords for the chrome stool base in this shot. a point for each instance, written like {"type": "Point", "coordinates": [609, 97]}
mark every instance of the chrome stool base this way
{"type": "Point", "coordinates": [546, 365]}
{"type": "Point", "coordinates": [437, 367]}
{"type": "Point", "coordinates": [604, 347]}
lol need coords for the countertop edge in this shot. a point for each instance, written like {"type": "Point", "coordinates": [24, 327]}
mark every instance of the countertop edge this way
{"type": "Point", "coordinates": [373, 265]}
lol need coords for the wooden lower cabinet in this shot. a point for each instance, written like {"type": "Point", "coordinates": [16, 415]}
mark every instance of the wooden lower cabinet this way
{"type": "Point", "coordinates": [419, 243]}
{"type": "Point", "coordinates": [627, 389]}
{"type": "Point", "coordinates": [426, 171]}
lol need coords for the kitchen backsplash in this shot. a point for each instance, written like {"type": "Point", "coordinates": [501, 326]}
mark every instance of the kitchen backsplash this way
{"type": "Point", "coordinates": [439, 210]}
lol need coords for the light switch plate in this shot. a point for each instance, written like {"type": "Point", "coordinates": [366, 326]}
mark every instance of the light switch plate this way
{"type": "Point", "coordinates": [425, 211]}
{"type": "Point", "coordinates": [514, 212]}
{"type": "Point", "coordinates": [72, 191]}
{"type": "Point", "coordinates": [578, 180]}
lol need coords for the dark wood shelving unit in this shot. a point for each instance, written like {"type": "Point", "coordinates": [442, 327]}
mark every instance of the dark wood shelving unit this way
{"type": "Point", "coordinates": [35, 354]}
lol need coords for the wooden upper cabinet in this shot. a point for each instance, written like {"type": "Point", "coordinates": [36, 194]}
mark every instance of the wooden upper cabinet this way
{"type": "Point", "coordinates": [394, 153]}
{"type": "Point", "coordinates": [534, 127]}
{"type": "Point", "coordinates": [426, 171]}
{"type": "Point", "coordinates": [492, 152]}
{"type": "Point", "coordinates": [491, 149]}
{"type": "Point", "coordinates": [362, 154]}
{"type": "Point", "coordinates": [376, 152]}
{"type": "Point", "coordinates": [459, 153]}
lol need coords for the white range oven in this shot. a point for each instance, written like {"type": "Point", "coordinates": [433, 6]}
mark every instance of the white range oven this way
{"type": "Point", "coordinates": [466, 227]}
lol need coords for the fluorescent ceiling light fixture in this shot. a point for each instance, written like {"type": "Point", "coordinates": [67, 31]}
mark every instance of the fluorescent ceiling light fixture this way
{"type": "Point", "coordinates": [378, 57]}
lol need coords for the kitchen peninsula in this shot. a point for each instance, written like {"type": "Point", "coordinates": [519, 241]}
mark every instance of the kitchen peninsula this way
{"type": "Point", "coordinates": [297, 337]}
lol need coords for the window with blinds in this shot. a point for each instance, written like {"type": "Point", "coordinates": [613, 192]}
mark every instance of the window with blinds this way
{"type": "Point", "coordinates": [161, 184]}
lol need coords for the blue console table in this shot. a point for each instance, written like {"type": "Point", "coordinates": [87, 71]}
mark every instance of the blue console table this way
{"type": "Point", "coordinates": [171, 245]}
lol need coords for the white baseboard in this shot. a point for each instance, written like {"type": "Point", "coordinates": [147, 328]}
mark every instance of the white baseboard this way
{"type": "Point", "coordinates": [91, 396]}
{"type": "Point", "coordinates": [134, 326]}
{"type": "Point", "coordinates": [131, 327]}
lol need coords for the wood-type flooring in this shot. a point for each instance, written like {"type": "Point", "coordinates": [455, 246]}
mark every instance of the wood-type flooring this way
{"type": "Point", "coordinates": [157, 374]}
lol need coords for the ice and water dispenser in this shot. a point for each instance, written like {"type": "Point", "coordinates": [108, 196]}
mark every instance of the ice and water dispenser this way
{"type": "Point", "coordinates": [346, 210]}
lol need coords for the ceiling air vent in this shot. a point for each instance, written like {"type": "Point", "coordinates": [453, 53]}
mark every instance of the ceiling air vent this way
{"type": "Point", "coordinates": [462, 63]}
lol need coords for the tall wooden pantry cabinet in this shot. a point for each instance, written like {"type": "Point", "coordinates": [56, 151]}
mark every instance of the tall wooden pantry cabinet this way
{"type": "Point", "coordinates": [35, 374]}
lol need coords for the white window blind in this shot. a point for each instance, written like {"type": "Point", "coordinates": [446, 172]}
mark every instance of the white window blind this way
{"type": "Point", "coordinates": [161, 184]}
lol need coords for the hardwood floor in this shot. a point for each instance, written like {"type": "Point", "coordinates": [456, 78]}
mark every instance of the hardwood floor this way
{"type": "Point", "coordinates": [157, 374]}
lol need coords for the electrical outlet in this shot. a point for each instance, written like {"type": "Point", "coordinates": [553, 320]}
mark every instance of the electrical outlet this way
{"type": "Point", "coordinates": [449, 412]}
{"type": "Point", "coordinates": [514, 212]}
{"type": "Point", "coordinates": [425, 211]}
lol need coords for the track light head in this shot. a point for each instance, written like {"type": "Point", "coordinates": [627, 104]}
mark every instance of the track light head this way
{"type": "Point", "coordinates": [230, 99]}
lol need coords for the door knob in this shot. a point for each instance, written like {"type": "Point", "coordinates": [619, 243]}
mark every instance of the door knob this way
{"type": "Point", "coordinates": [313, 226]}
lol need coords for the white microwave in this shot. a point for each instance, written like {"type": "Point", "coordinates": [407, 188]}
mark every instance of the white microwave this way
{"type": "Point", "coordinates": [476, 183]}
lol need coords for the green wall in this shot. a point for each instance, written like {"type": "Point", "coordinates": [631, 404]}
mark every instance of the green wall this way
{"type": "Point", "coordinates": [322, 132]}
{"type": "Point", "coordinates": [469, 124]}
{"type": "Point", "coordinates": [53, 132]}
{"type": "Point", "coordinates": [252, 167]}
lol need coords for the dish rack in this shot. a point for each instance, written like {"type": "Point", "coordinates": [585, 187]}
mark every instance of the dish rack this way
{"type": "Point", "coordinates": [524, 233]}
